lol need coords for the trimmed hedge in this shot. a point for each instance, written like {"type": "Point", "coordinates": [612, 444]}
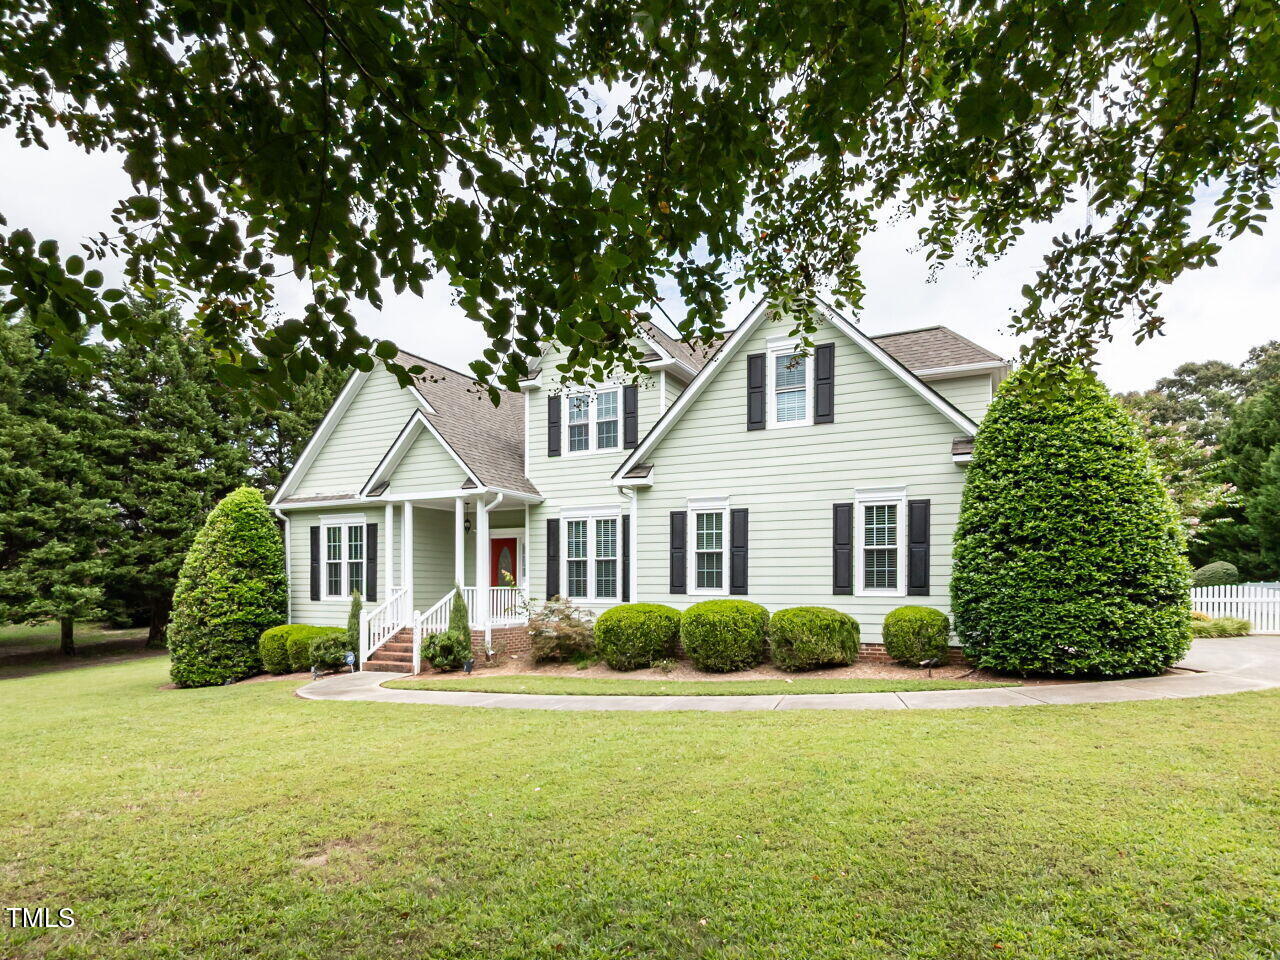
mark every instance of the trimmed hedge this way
{"type": "Point", "coordinates": [1216, 574]}
{"type": "Point", "coordinates": [915, 634]}
{"type": "Point", "coordinates": [328, 650]}
{"type": "Point", "coordinates": [232, 587]}
{"type": "Point", "coordinates": [635, 635]}
{"type": "Point", "coordinates": [1069, 557]}
{"type": "Point", "coordinates": [802, 638]}
{"type": "Point", "coordinates": [277, 646]}
{"type": "Point", "coordinates": [724, 635]}
{"type": "Point", "coordinates": [1221, 627]}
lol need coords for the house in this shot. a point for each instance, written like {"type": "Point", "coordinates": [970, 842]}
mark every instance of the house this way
{"type": "Point", "coordinates": [829, 478]}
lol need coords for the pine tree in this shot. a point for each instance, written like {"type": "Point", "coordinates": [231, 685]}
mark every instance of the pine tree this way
{"type": "Point", "coordinates": [177, 445]}
{"type": "Point", "coordinates": [54, 517]}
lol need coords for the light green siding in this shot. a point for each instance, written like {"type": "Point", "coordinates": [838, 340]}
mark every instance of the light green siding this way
{"type": "Point", "coordinates": [426, 467]}
{"type": "Point", "coordinates": [432, 555]}
{"type": "Point", "coordinates": [372, 421]}
{"type": "Point", "coordinates": [884, 435]}
{"type": "Point", "coordinates": [970, 395]}
{"type": "Point", "coordinates": [330, 611]}
{"type": "Point", "coordinates": [572, 480]}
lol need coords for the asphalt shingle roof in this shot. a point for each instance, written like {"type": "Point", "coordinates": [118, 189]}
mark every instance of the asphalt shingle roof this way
{"type": "Point", "coordinates": [931, 347]}
{"type": "Point", "coordinates": [489, 439]}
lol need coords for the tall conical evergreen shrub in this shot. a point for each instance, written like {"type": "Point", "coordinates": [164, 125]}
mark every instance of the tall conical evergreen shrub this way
{"type": "Point", "coordinates": [231, 588]}
{"type": "Point", "coordinates": [1068, 554]}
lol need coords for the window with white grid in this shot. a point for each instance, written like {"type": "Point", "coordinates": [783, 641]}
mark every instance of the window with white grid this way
{"type": "Point", "coordinates": [606, 558]}
{"type": "Point", "coordinates": [576, 565]}
{"type": "Point", "coordinates": [880, 543]}
{"type": "Point", "coordinates": [594, 420]}
{"type": "Point", "coordinates": [708, 550]}
{"type": "Point", "coordinates": [344, 559]}
{"type": "Point", "coordinates": [790, 372]}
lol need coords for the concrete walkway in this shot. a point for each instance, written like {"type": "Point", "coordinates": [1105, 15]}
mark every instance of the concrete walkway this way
{"type": "Point", "coordinates": [1224, 666]}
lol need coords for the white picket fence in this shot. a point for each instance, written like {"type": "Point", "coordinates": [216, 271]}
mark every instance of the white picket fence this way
{"type": "Point", "coordinates": [1258, 603]}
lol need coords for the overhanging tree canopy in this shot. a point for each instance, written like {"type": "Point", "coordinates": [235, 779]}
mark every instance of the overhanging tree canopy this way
{"type": "Point", "coordinates": [558, 161]}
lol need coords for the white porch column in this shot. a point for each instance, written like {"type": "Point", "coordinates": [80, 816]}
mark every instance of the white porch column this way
{"type": "Point", "coordinates": [406, 552]}
{"type": "Point", "coordinates": [460, 541]}
{"type": "Point", "coordinates": [480, 617]}
{"type": "Point", "coordinates": [388, 529]}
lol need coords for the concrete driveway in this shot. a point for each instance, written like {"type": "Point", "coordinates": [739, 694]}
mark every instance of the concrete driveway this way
{"type": "Point", "coordinates": [1221, 666]}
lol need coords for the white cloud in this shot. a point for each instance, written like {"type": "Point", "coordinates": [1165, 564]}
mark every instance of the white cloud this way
{"type": "Point", "coordinates": [1216, 313]}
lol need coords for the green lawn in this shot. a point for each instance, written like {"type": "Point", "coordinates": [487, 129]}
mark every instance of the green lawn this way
{"type": "Point", "coordinates": [40, 637]}
{"type": "Point", "coordinates": [241, 821]}
{"type": "Point", "coordinates": [622, 687]}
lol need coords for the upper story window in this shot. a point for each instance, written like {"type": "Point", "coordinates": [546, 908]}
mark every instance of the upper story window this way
{"type": "Point", "coordinates": [344, 559]}
{"type": "Point", "coordinates": [592, 420]}
{"type": "Point", "coordinates": [790, 387]}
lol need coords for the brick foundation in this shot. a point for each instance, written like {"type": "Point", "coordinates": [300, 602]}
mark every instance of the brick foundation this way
{"type": "Point", "coordinates": [507, 641]}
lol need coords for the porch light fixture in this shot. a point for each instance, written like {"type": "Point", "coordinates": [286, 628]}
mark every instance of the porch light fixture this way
{"type": "Point", "coordinates": [466, 525]}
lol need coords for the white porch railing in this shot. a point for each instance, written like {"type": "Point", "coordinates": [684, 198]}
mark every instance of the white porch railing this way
{"type": "Point", "coordinates": [383, 622]}
{"type": "Point", "coordinates": [505, 606]}
{"type": "Point", "coordinates": [1257, 603]}
{"type": "Point", "coordinates": [435, 620]}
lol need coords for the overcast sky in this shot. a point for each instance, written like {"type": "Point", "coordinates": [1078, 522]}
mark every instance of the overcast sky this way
{"type": "Point", "coordinates": [1216, 313]}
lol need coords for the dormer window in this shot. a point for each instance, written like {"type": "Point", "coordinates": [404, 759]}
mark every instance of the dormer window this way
{"type": "Point", "coordinates": [592, 420]}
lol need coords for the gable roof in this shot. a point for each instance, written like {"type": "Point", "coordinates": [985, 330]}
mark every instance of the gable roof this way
{"type": "Point", "coordinates": [693, 354]}
{"type": "Point", "coordinates": [488, 440]}
{"type": "Point", "coordinates": [931, 347]}
{"type": "Point", "coordinates": [730, 346]}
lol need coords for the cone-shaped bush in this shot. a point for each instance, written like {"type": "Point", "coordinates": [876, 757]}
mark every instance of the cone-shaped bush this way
{"type": "Point", "coordinates": [1068, 554]}
{"type": "Point", "coordinates": [231, 588]}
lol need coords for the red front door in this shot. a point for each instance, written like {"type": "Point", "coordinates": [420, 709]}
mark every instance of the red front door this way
{"type": "Point", "coordinates": [503, 562]}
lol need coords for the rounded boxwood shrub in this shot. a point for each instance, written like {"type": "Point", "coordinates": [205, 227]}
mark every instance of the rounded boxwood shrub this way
{"type": "Point", "coordinates": [914, 634]}
{"type": "Point", "coordinates": [1220, 573]}
{"type": "Point", "coordinates": [273, 649]}
{"type": "Point", "coordinates": [724, 635]}
{"type": "Point", "coordinates": [1068, 552]}
{"type": "Point", "coordinates": [328, 649]}
{"type": "Point", "coordinates": [635, 635]}
{"type": "Point", "coordinates": [802, 638]}
{"type": "Point", "coordinates": [232, 587]}
{"type": "Point", "coordinates": [447, 650]}
{"type": "Point", "coordinates": [298, 642]}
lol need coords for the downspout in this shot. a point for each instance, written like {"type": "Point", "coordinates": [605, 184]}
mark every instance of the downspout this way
{"type": "Point", "coordinates": [488, 626]}
{"type": "Point", "coordinates": [288, 567]}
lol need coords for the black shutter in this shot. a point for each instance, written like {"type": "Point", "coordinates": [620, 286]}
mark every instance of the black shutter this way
{"type": "Point", "coordinates": [315, 563]}
{"type": "Point", "coordinates": [738, 551]}
{"type": "Point", "coordinates": [630, 420]}
{"type": "Point", "coordinates": [553, 558]}
{"type": "Point", "coordinates": [371, 561]}
{"type": "Point", "coordinates": [842, 548]}
{"type": "Point", "coordinates": [553, 426]}
{"type": "Point", "coordinates": [918, 548]}
{"type": "Point", "coordinates": [755, 391]}
{"type": "Point", "coordinates": [626, 559]}
{"type": "Point", "coordinates": [679, 522]}
{"type": "Point", "coordinates": [824, 383]}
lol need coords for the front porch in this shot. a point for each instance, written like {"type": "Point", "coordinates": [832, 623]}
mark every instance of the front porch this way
{"type": "Point", "coordinates": [433, 544]}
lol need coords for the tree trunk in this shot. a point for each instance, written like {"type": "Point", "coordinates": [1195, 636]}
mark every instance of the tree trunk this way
{"type": "Point", "coordinates": [68, 625]}
{"type": "Point", "coordinates": [160, 609]}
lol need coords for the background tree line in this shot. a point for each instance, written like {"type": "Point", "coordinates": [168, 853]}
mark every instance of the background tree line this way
{"type": "Point", "coordinates": [1214, 429]}
{"type": "Point", "coordinates": [108, 468]}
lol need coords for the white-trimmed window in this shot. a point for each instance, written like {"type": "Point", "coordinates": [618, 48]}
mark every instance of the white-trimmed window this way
{"type": "Point", "coordinates": [708, 547]}
{"type": "Point", "coordinates": [880, 562]}
{"type": "Point", "coordinates": [593, 420]}
{"type": "Point", "coordinates": [344, 558]}
{"type": "Point", "coordinates": [591, 555]}
{"type": "Point", "coordinates": [790, 385]}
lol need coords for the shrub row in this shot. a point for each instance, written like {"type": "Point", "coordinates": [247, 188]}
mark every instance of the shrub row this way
{"type": "Point", "coordinates": [1220, 627]}
{"type": "Point", "coordinates": [729, 634]}
{"type": "Point", "coordinates": [298, 646]}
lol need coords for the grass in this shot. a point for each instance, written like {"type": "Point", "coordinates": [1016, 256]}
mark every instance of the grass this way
{"type": "Point", "coordinates": [45, 637]}
{"type": "Point", "coordinates": [241, 821]}
{"type": "Point", "coordinates": [624, 687]}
